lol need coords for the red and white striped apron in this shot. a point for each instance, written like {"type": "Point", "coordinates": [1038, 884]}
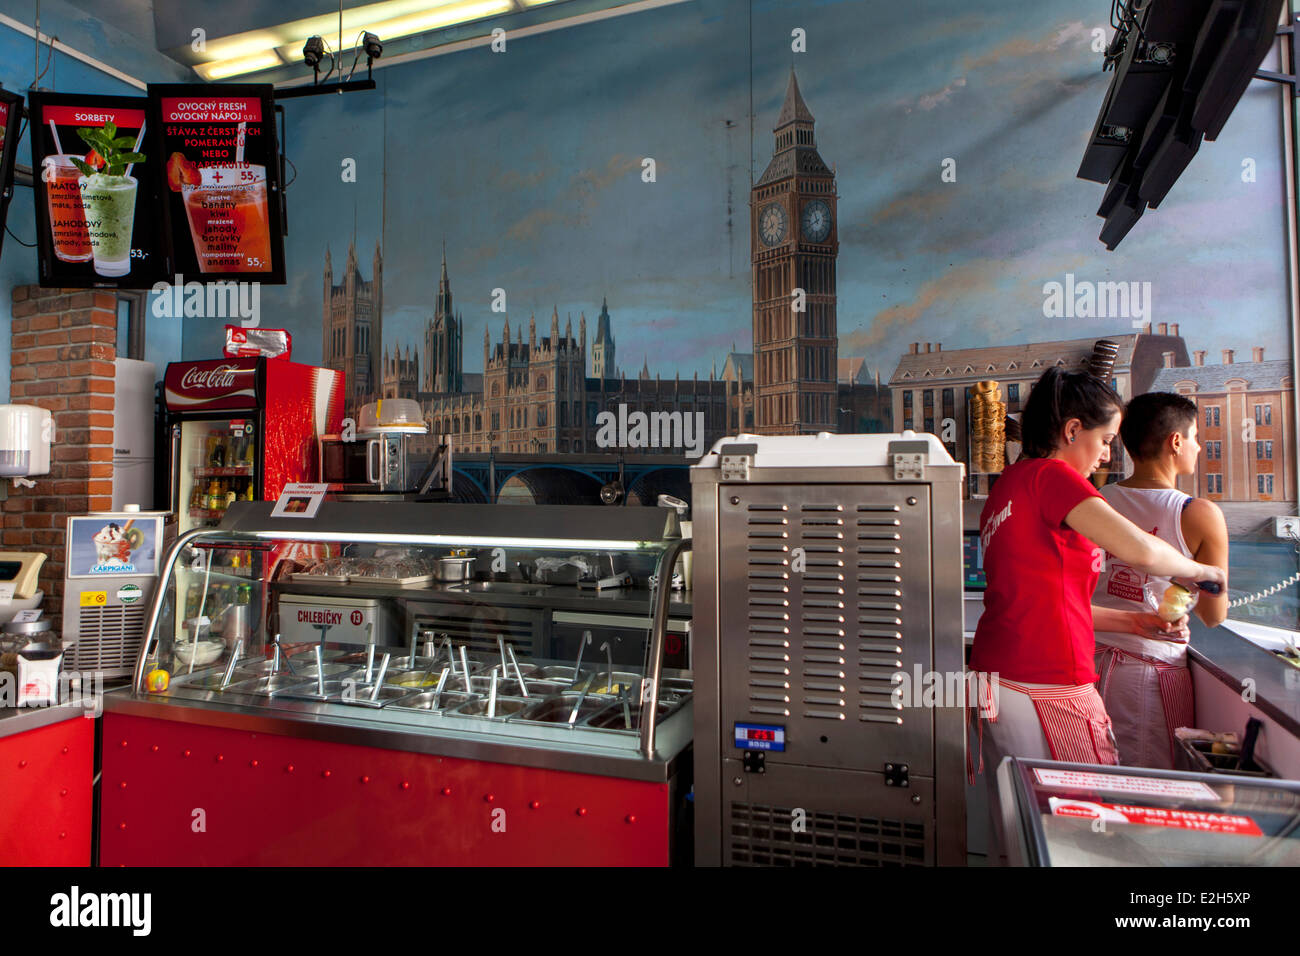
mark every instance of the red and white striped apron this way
{"type": "Point", "coordinates": [1072, 719]}
{"type": "Point", "coordinates": [1172, 684]}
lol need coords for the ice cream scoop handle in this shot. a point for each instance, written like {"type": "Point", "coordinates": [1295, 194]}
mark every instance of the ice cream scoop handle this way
{"type": "Point", "coordinates": [1210, 587]}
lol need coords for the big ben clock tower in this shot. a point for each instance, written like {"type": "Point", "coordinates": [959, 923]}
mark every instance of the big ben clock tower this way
{"type": "Point", "coordinates": [794, 242]}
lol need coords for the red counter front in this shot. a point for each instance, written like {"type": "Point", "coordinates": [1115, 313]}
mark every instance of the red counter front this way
{"type": "Point", "coordinates": [46, 794]}
{"type": "Point", "coordinates": [185, 794]}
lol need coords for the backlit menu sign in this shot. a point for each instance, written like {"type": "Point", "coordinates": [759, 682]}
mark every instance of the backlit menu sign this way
{"type": "Point", "coordinates": [221, 188]}
{"type": "Point", "coordinates": [95, 191]}
{"type": "Point", "coordinates": [11, 115]}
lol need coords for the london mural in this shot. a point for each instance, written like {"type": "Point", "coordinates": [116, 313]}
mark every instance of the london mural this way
{"type": "Point", "coordinates": [613, 219]}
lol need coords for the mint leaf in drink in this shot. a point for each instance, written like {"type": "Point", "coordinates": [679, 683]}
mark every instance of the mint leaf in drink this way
{"type": "Point", "coordinates": [85, 169]}
{"type": "Point", "coordinates": [115, 151]}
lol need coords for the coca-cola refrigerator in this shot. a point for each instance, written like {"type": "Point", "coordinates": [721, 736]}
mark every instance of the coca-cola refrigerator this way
{"type": "Point", "coordinates": [242, 428]}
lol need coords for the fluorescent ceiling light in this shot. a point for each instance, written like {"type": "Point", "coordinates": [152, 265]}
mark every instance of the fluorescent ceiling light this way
{"type": "Point", "coordinates": [440, 17]}
{"type": "Point", "coordinates": [221, 69]}
{"type": "Point", "coordinates": [250, 52]}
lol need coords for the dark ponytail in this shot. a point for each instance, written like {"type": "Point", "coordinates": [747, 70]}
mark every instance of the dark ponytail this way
{"type": "Point", "coordinates": [1057, 397]}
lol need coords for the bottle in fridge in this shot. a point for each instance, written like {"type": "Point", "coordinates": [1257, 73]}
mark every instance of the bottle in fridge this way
{"type": "Point", "coordinates": [242, 428]}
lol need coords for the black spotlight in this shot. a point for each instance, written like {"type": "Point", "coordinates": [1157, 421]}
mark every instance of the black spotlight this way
{"type": "Point", "coordinates": [374, 49]}
{"type": "Point", "coordinates": [312, 51]}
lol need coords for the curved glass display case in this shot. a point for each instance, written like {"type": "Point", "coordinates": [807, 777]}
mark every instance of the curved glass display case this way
{"type": "Point", "coordinates": [522, 630]}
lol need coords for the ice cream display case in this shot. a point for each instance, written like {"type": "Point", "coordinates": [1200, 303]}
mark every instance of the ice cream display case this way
{"type": "Point", "coordinates": [1063, 814]}
{"type": "Point", "coordinates": [407, 683]}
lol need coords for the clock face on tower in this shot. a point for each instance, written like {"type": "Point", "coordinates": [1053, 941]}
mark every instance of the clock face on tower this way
{"type": "Point", "coordinates": [816, 221]}
{"type": "Point", "coordinates": [771, 224]}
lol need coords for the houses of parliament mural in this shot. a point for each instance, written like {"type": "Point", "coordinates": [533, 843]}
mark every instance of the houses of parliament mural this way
{"type": "Point", "coordinates": [541, 390]}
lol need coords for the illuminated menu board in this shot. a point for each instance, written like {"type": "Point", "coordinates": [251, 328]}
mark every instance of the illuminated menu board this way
{"type": "Point", "coordinates": [221, 181]}
{"type": "Point", "coordinates": [11, 115]}
{"type": "Point", "coordinates": [95, 191]}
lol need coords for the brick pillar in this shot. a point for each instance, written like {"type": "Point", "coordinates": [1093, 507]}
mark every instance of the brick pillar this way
{"type": "Point", "coordinates": [63, 343]}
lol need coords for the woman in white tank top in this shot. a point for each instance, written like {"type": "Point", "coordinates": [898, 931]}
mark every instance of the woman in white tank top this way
{"type": "Point", "coordinates": [1144, 680]}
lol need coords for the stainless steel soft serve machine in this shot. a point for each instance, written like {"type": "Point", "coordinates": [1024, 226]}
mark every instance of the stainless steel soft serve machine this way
{"type": "Point", "coordinates": [828, 654]}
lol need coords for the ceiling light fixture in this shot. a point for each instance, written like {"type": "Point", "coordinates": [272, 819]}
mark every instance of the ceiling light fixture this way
{"type": "Point", "coordinates": [222, 69]}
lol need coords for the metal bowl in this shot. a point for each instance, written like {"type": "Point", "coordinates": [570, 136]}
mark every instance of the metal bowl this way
{"type": "Point", "coordinates": [266, 686]}
{"type": "Point", "coordinates": [425, 701]}
{"type": "Point", "coordinates": [538, 688]}
{"type": "Point", "coordinates": [455, 569]}
{"type": "Point", "coordinates": [386, 696]}
{"type": "Point", "coordinates": [561, 673]}
{"type": "Point", "coordinates": [209, 680]}
{"type": "Point", "coordinates": [507, 707]}
{"type": "Point", "coordinates": [606, 683]}
{"type": "Point", "coordinates": [250, 665]}
{"type": "Point", "coordinates": [331, 670]}
{"type": "Point", "coordinates": [556, 710]}
{"type": "Point", "coordinates": [307, 689]}
{"type": "Point", "coordinates": [612, 717]}
{"type": "Point", "coordinates": [528, 670]}
{"type": "Point", "coordinates": [406, 663]}
{"type": "Point", "coordinates": [414, 679]}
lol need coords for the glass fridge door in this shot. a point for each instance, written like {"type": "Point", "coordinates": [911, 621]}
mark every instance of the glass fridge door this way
{"type": "Point", "coordinates": [215, 469]}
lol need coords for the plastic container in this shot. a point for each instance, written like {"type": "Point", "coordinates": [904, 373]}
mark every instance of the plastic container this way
{"type": "Point", "coordinates": [391, 415]}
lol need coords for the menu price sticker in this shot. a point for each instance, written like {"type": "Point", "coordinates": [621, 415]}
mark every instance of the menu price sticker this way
{"type": "Point", "coordinates": [1197, 820]}
{"type": "Point", "coordinates": [299, 500]}
{"type": "Point", "coordinates": [11, 115]}
{"type": "Point", "coordinates": [96, 188]}
{"type": "Point", "coordinates": [221, 186]}
{"type": "Point", "coordinates": [1124, 783]}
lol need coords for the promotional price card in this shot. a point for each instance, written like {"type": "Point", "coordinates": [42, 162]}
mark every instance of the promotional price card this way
{"type": "Point", "coordinates": [95, 191]}
{"type": "Point", "coordinates": [221, 209]}
{"type": "Point", "coordinates": [300, 500]}
{"type": "Point", "coordinates": [11, 115]}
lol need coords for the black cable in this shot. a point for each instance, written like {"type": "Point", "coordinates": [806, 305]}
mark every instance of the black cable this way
{"type": "Point", "coordinates": [356, 54]}
{"type": "Point", "coordinates": [29, 245]}
{"type": "Point", "coordinates": [49, 58]}
{"type": "Point", "coordinates": [295, 174]}
{"type": "Point", "coordinates": [330, 53]}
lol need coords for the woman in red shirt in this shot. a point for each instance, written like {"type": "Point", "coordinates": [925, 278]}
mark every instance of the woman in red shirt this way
{"type": "Point", "coordinates": [1046, 531]}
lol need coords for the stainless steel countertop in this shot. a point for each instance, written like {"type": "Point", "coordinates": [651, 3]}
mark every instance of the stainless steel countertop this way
{"type": "Point", "coordinates": [18, 720]}
{"type": "Point", "coordinates": [421, 733]}
{"type": "Point", "coordinates": [1231, 658]}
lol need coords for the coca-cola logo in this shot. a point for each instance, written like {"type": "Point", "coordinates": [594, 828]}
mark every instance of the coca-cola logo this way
{"type": "Point", "coordinates": [220, 376]}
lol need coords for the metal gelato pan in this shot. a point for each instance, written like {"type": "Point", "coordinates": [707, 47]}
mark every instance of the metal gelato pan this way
{"type": "Point", "coordinates": [450, 700]}
{"type": "Point", "coordinates": [506, 708]}
{"type": "Point", "coordinates": [267, 686]}
{"type": "Point", "coordinates": [614, 717]}
{"type": "Point", "coordinates": [556, 710]}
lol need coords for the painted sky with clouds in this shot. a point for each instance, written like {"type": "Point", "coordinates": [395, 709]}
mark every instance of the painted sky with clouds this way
{"type": "Point", "coordinates": [528, 163]}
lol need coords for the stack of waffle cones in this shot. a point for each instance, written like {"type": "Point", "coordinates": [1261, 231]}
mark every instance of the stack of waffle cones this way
{"type": "Point", "coordinates": [988, 427]}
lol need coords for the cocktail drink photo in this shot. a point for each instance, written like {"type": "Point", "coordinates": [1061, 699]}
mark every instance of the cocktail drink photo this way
{"type": "Point", "coordinates": [228, 217]}
{"type": "Point", "coordinates": [108, 193]}
{"type": "Point", "coordinates": [109, 205]}
{"type": "Point", "coordinates": [67, 217]}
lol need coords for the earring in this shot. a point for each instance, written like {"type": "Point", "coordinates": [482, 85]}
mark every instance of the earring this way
{"type": "Point", "coordinates": [1071, 439]}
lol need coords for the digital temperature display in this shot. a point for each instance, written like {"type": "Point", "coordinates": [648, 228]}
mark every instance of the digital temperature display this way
{"type": "Point", "coordinates": [760, 737]}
